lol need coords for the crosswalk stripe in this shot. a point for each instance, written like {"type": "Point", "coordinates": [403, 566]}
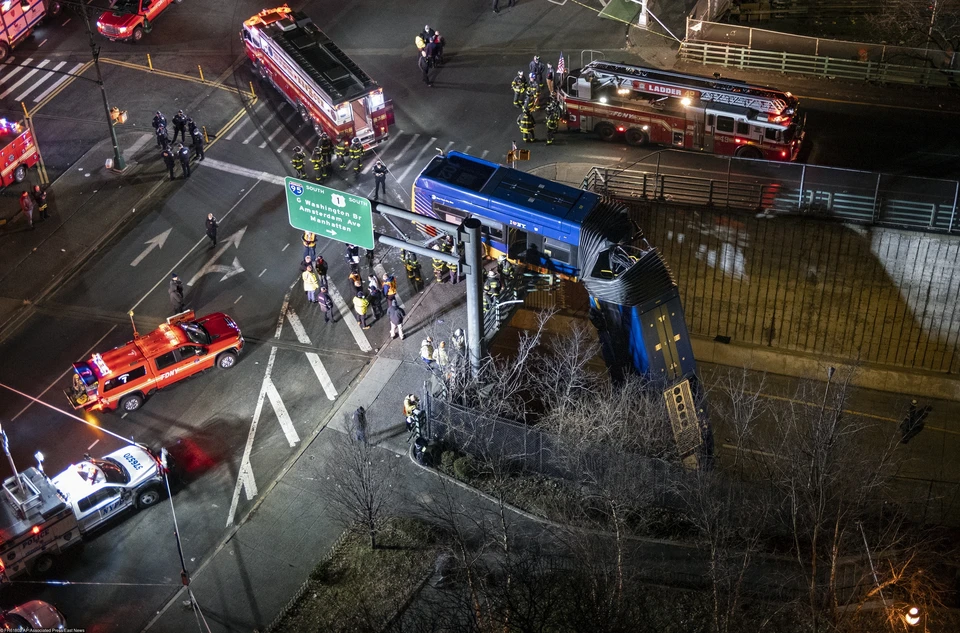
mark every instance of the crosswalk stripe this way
{"type": "Point", "coordinates": [43, 95]}
{"type": "Point", "coordinates": [446, 149]}
{"type": "Point", "coordinates": [394, 160]}
{"type": "Point", "coordinates": [312, 358]}
{"type": "Point", "coordinates": [236, 128]}
{"type": "Point", "coordinates": [30, 74]}
{"type": "Point", "coordinates": [347, 315]}
{"type": "Point", "coordinates": [283, 416]}
{"type": "Point", "coordinates": [269, 118]}
{"type": "Point", "coordinates": [483, 156]}
{"type": "Point", "coordinates": [279, 129]}
{"type": "Point", "coordinates": [230, 168]}
{"type": "Point", "coordinates": [416, 160]}
{"type": "Point", "coordinates": [15, 69]}
{"type": "Point", "coordinates": [36, 84]}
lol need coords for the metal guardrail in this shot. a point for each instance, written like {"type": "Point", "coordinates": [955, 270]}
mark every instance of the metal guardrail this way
{"type": "Point", "coordinates": [742, 57]}
{"type": "Point", "coordinates": [924, 204]}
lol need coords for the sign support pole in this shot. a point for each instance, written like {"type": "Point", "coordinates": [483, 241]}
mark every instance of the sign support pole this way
{"type": "Point", "coordinates": [471, 229]}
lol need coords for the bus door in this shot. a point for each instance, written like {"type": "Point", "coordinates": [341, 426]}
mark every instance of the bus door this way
{"type": "Point", "coordinates": [516, 243]}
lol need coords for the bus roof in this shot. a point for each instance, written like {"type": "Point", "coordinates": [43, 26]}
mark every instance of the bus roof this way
{"type": "Point", "coordinates": [315, 53]}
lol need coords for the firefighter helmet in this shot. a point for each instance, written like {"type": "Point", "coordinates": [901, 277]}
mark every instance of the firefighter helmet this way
{"type": "Point", "coordinates": [533, 76]}
{"type": "Point", "coordinates": [297, 150]}
{"type": "Point", "coordinates": [355, 141]}
{"type": "Point", "coordinates": [492, 274]}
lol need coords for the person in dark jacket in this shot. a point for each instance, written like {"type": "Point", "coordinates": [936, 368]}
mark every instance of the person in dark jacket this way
{"type": "Point", "coordinates": [360, 425]}
{"type": "Point", "coordinates": [162, 141]}
{"type": "Point", "coordinates": [40, 197]}
{"type": "Point", "coordinates": [159, 120]}
{"type": "Point", "coordinates": [380, 176]}
{"type": "Point", "coordinates": [197, 138]}
{"type": "Point", "coordinates": [424, 63]}
{"type": "Point", "coordinates": [180, 126]}
{"type": "Point", "coordinates": [326, 305]}
{"type": "Point", "coordinates": [184, 155]}
{"type": "Point", "coordinates": [212, 225]}
{"type": "Point", "coordinates": [168, 160]}
{"type": "Point", "coordinates": [396, 315]}
{"type": "Point", "coordinates": [175, 290]}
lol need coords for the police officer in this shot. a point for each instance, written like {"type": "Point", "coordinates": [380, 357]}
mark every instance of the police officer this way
{"type": "Point", "coordinates": [180, 126]}
{"type": "Point", "coordinates": [159, 120]}
{"type": "Point", "coordinates": [197, 137]}
{"type": "Point", "coordinates": [326, 153]}
{"type": "Point", "coordinates": [380, 176]}
{"type": "Point", "coordinates": [168, 160]}
{"type": "Point", "coordinates": [184, 155]}
{"type": "Point", "coordinates": [414, 272]}
{"type": "Point", "coordinates": [553, 121]}
{"type": "Point", "coordinates": [533, 93]}
{"type": "Point", "coordinates": [527, 124]}
{"type": "Point", "coordinates": [297, 161]}
{"type": "Point", "coordinates": [343, 146]}
{"type": "Point", "coordinates": [519, 86]}
{"type": "Point", "coordinates": [162, 141]}
{"type": "Point", "coordinates": [40, 197]}
{"type": "Point", "coordinates": [356, 155]}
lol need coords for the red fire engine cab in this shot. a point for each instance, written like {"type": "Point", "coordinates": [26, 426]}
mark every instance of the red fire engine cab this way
{"type": "Point", "coordinates": [646, 105]}
{"type": "Point", "coordinates": [326, 87]}
{"type": "Point", "coordinates": [19, 152]}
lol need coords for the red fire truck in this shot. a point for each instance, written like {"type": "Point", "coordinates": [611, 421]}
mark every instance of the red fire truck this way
{"type": "Point", "coordinates": [19, 152]}
{"type": "Point", "coordinates": [645, 105]}
{"type": "Point", "coordinates": [318, 79]}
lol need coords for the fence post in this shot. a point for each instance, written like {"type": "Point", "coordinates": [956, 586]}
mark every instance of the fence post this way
{"type": "Point", "coordinates": [953, 214]}
{"type": "Point", "coordinates": [803, 173]}
{"type": "Point", "coordinates": [816, 47]}
{"type": "Point", "coordinates": [750, 39]}
{"type": "Point", "coordinates": [876, 200]}
{"type": "Point", "coordinates": [729, 165]}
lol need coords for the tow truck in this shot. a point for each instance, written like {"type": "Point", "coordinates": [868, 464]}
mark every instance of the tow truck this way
{"type": "Point", "coordinates": [130, 19]}
{"type": "Point", "coordinates": [183, 346]}
{"type": "Point", "coordinates": [42, 517]}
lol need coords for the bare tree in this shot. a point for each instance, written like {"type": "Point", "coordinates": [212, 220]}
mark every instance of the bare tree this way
{"type": "Point", "coordinates": [365, 484]}
{"type": "Point", "coordinates": [911, 23]}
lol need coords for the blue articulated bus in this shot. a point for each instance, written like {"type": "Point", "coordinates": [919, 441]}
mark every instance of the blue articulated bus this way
{"type": "Point", "coordinates": [580, 236]}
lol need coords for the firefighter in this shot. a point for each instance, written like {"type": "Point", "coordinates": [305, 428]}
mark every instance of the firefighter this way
{"type": "Point", "coordinates": [197, 137]}
{"type": "Point", "coordinates": [168, 160]}
{"type": "Point", "coordinates": [414, 272]}
{"type": "Point", "coordinates": [553, 121]}
{"type": "Point", "coordinates": [297, 161]}
{"type": "Point", "coordinates": [343, 146]}
{"type": "Point", "coordinates": [326, 153]}
{"type": "Point", "coordinates": [491, 290]}
{"type": "Point", "coordinates": [508, 272]}
{"type": "Point", "coordinates": [527, 124]}
{"type": "Point", "coordinates": [533, 93]}
{"type": "Point", "coordinates": [184, 155]}
{"type": "Point", "coordinates": [356, 155]}
{"type": "Point", "coordinates": [439, 267]}
{"type": "Point", "coordinates": [380, 176]}
{"type": "Point", "coordinates": [446, 246]}
{"type": "Point", "coordinates": [180, 126]}
{"type": "Point", "coordinates": [519, 86]}
{"type": "Point", "coordinates": [317, 161]}
{"type": "Point", "coordinates": [40, 197]}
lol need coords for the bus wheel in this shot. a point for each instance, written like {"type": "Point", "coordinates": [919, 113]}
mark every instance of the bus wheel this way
{"type": "Point", "coordinates": [637, 137]}
{"type": "Point", "coordinates": [20, 173]}
{"type": "Point", "coordinates": [749, 151]}
{"type": "Point", "coordinates": [605, 131]}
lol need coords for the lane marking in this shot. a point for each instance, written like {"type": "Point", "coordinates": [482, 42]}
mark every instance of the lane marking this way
{"type": "Point", "coordinates": [14, 69]}
{"type": "Point", "coordinates": [413, 163]}
{"type": "Point", "coordinates": [346, 314]}
{"type": "Point", "coordinates": [379, 152]}
{"type": "Point", "coordinates": [261, 273]}
{"type": "Point", "coordinates": [242, 171]}
{"type": "Point", "coordinates": [282, 415]}
{"type": "Point", "coordinates": [447, 148]}
{"type": "Point", "coordinates": [95, 442]}
{"type": "Point", "coordinates": [238, 300]}
{"type": "Point", "coordinates": [285, 247]}
{"type": "Point", "coordinates": [236, 129]}
{"type": "Point", "coordinates": [36, 84]}
{"type": "Point", "coordinates": [484, 154]}
{"type": "Point", "coordinates": [312, 357]}
{"type": "Point", "coordinates": [30, 74]}
{"type": "Point", "coordinates": [61, 376]}
{"type": "Point", "coordinates": [269, 118]}
{"type": "Point", "coordinates": [135, 147]}
{"type": "Point", "coordinates": [394, 160]}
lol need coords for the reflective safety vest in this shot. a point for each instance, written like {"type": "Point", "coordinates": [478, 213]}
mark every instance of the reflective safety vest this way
{"type": "Point", "coordinates": [342, 148]}
{"type": "Point", "coordinates": [361, 305]}
{"type": "Point", "coordinates": [390, 287]}
{"type": "Point", "coordinates": [309, 239]}
{"type": "Point", "coordinates": [519, 86]}
{"type": "Point", "coordinates": [356, 151]}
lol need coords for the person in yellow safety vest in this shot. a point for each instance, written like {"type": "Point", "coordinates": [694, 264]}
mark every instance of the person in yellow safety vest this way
{"type": "Point", "coordinates": [343, 146]}
{"type": "Point", "coordinates": [438, 267]}
{"type": "Point", "coordinates": [297, 161]}
{"type": "Point", "coordinates": [356, 155]}
{"type": "Point", "coordinates": [426, 352]}
{"type": "Point", "coordinates": [527, 124]}
{"type": "Point", "coordinates": [317, 161]}
{"type": "Point", "coordinates": [491, 290]}
{"type": "Point", "coordinates": [361, 305]}
{"type": "Point", "coordinates": [533, 92]}
{"type": "Point", "coordinates": [519, 86]}
{"type": "Point", "coordinates": [389, 287]}
{"type": "Point", "coordinates": [410, 403]}
{"type": "Point", "coordinates": [414, 272]}
{"type": "Point", "coordinates": [553, 122]}
{"type": "Point", "coordinates": [356, 279]}
{"type": "Point", "coordinates": [309, 245]}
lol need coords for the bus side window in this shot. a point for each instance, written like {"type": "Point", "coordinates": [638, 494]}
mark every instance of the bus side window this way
{"type": "Point", "coordinates": [743, 128]}
{"type": "Point", "coordinates": [724, 124]}
{"type": "Point", "coordinates": [517, 243]}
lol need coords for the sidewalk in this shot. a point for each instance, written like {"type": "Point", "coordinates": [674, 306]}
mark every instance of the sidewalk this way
{"type": "Point", "coordinates": [88, 205]}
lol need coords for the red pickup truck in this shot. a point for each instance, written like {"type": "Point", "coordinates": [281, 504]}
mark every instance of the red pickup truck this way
{"type": "Point", "coordinates": [130, 19]}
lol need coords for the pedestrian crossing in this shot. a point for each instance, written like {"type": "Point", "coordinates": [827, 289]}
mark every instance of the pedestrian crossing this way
{"type": "Point", "coordinates": [32, 80]}
{"type": "Point", "coordinates": [404, 153]}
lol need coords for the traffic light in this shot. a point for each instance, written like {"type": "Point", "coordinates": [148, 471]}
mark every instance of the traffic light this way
{"type": "Point", "coordinates": [117, 115]}
{"type": "Point", "coordinates": [683, 417]}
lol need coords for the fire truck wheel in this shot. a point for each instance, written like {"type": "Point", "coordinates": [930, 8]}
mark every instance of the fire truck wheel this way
{"type": "Point", "coordinates": [226, 360]}
{"type": "Point", "coordinates": [637, 137]}
{"type": "Point", "coordinates": [137, 34]}
{"type": "Point", "coordinates": [317, 128]}
{"type": "Point", "coordinates": [303, 112]}
{"type": "Point", "coordinates": [147, 496]}
{"type": "Point", "coordinates": [41, 564]}
{"type": "Point", "coordinates": [261, 71]}
{"type": "Point", "coordinates": [605, 131]}
{"type": "Point", "coordinates": [132, 402]}
{"type": "Point", "coordinates": [749, 152]}
{"type": "Point", "coordinates": [4, 51]}
{"type": "Point", "coordinates": [20, 173]}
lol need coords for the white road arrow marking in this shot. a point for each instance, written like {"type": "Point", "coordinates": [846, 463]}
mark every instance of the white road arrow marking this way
{"type": "Point", "coordinates": [152, 243]}
{"type": "Point", "coordinates": [210, 267]}
{"type": "Point", "coordinates": [312, 357]}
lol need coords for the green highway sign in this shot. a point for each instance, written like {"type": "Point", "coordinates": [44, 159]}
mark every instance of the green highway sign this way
{"type": "Point", "coordinates": [338, 215]}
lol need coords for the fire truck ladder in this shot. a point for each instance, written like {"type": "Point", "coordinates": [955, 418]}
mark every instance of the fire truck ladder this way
{"type": "Point", "coordinates": [714, 90]}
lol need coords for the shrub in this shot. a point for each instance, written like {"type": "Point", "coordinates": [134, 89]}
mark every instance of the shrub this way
{"type": "Point", "coordinates": [446, 461]}
{"type": "Point", "coordinates": [464, 468]}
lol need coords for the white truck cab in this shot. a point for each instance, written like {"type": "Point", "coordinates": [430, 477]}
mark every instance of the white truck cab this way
{"type": "Point", "coordinates": [99, 489]}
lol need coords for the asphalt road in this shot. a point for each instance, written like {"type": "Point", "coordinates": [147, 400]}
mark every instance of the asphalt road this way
{"type": "Point", "coordinates": [207, 421]}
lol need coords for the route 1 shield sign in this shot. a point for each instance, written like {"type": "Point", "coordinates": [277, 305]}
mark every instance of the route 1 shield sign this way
{"type": "Point", "coordinates": [337, 215]}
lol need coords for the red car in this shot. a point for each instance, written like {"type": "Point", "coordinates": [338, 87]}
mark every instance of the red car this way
{"type": "Point", "coordinates": [130, 19]}
{"type": "Point", "coordinates": [183, 346]}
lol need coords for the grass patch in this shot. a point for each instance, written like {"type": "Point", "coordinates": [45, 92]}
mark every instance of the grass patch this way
{"type": "Point", "coordinates": [358, 589]}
